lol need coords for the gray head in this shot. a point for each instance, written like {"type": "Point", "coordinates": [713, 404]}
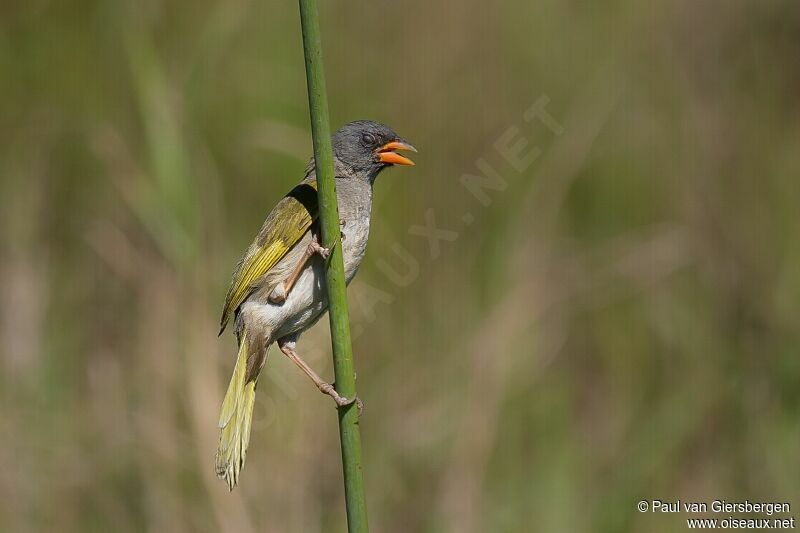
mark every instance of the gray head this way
{"type": "Point", "coordinates": [368, 147]}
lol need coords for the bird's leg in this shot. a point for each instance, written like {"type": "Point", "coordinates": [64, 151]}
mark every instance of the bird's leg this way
{"type": "Point", "coordinates": [281, 291]}
{"type": "Point", "coordinates": [287, 346]}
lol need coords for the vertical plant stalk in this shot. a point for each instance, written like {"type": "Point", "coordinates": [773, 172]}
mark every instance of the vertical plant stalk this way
{"type": "Point", "coordinates": [344, 371]}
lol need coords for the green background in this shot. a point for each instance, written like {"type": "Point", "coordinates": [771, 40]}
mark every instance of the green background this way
{"type": "Point", "coordinates": [620, 322]}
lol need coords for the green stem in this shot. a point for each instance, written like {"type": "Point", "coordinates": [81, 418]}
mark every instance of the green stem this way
{"type": "Point", "coordinates": [337, 296]}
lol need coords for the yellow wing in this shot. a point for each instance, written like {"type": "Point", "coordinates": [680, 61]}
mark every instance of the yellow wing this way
{"type": "Point", "coordinates": [285, 226]}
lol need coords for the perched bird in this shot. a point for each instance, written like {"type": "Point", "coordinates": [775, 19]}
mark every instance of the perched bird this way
{"type": "Point", "coordinates": [278, 288]}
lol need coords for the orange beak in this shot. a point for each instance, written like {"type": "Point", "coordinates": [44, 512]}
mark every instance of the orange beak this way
{"type": "Point", "coordinates": [387, 155]}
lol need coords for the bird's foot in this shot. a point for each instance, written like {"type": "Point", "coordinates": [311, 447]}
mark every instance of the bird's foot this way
{"type": "Point", "coordinates": [278, 294]}
{"type": "Point", "coordinates": [341, 401]}
{"type": "Point", "coordinates": [317, 248]}
{"type": "Point", "coordinates": [325, 253]}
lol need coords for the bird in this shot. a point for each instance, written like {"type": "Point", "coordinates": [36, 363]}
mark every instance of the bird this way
{"type": "Point", "coordinates": [278, 288]}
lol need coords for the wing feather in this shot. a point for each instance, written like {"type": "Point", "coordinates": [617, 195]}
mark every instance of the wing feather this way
{"type": "Point", "coordinates": [284, 227]}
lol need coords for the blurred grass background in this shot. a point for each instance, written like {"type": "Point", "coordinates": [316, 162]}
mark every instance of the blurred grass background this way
{"type": "Point", "coordinates": [620, 323]}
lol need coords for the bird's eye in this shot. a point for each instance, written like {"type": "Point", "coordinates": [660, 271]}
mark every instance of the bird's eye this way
{"type": "Point", "coordinates": [368, 139]}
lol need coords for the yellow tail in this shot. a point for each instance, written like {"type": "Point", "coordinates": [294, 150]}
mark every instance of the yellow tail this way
{"type": "Point", "coordinates": [235, 420]}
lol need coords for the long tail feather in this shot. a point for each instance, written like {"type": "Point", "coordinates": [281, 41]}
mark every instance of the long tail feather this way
{"type": "Point", "coordinates": [235, 419]}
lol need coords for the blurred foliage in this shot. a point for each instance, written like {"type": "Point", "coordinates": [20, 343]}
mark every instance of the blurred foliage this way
{"type": "Point", "coordinates": [620, 322]}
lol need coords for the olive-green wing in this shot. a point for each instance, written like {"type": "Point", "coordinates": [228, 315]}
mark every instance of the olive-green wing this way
{"type": "Point", "coordinates": [285, 226]}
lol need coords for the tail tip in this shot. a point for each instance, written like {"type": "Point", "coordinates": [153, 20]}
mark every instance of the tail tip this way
{"type": "Point", "coordinates": [225, 472]}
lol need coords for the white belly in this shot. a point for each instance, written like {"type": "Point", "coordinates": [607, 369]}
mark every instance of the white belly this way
{"type": "Point", "coordinates": [308, 299]}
